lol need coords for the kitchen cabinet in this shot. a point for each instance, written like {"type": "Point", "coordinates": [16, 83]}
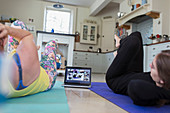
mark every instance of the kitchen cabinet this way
{"type": "Point", "coordinates": [99, 62]}
{"type": "Point", "coordinates": [109, 59]}
{"type": "Point", "coordinates": [82, 59]}
{"type": "Point", "coordinates": [89, 33]}
{"type": "Point", "coordinates": [151, 51]}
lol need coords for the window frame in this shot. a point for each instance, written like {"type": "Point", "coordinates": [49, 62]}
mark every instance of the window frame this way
{"type": "Point", "coordinates": [63, 10]}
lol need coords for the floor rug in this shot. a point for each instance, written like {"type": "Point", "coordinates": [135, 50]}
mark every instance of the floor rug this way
{"type": "Point", "coordinates": [53, 101]}
{"type": "Point", "coordinates": [125, 102]}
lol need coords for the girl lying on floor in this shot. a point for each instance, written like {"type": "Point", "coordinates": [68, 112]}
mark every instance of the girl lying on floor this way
{"type": "Point", "coordinates": [29, 76]}
{"type": "Point", "coordinates": [126, 76]}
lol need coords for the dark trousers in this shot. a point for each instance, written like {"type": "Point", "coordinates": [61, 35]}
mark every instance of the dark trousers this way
{"type": "Point", "coordinates": [125, 75]}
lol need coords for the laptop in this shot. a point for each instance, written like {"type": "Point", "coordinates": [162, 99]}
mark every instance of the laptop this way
{"type": "Point", "coordinates": [77, 77]}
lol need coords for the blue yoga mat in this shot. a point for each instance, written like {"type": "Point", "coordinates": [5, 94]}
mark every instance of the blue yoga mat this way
{"type": "Point", "coordinates": [125, 102]}
{"type": "Point", "coordinates": [53, 101]}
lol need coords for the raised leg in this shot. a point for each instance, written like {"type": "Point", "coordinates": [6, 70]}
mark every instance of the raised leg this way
{"type": "Point", "coordinates": [48, 62]}
{"type": "Point", "coordinates": [129, 58]}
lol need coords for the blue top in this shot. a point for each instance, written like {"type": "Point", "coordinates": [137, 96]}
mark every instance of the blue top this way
{"type": "Point", "coordinates": [17, 60]}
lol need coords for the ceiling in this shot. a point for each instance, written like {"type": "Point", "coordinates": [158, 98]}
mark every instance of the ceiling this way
{"type": "Point", "coordinates": [83, 3]}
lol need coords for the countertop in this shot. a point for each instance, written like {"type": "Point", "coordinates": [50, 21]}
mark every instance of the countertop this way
{"type": "Point", "coordinates": [94, 51]}
{"type": "Point", "coordinates": [156, 43]}
{"type": "Point", "coordinates": [116, 49]}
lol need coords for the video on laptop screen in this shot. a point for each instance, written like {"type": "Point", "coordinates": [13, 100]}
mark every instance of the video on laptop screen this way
{"type": "Point", "coordinates": [78, 75]}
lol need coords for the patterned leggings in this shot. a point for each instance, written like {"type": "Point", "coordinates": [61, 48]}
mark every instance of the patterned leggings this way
{"type": "Point", "coordinates": [48, 62]}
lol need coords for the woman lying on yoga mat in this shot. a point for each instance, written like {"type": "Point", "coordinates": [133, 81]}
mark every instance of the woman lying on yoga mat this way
{"type": "Point", "coordinates": [125, 75]}
{"type": "Point", "coordinates": [28, 77]}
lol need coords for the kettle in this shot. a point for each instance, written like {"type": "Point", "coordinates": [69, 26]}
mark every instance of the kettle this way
{"type": "Point", "coordinates": [99, 50]}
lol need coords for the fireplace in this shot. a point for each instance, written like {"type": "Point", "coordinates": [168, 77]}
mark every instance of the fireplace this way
{"type": "Point", "coordinates": [65, 42]}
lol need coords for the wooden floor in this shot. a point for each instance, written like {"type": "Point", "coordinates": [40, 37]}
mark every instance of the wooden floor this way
{"type": "Point", "coordinates": [86, 101]}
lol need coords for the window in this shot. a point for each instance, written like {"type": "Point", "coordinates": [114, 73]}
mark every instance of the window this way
{"type": "Point", "coordinates": [59, 20]}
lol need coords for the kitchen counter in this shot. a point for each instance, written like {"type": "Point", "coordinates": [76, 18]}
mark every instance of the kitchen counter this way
{"type": "Point", "coordinates": [94, 51]}
{"type": "Point", "coordinates": [156, 43]}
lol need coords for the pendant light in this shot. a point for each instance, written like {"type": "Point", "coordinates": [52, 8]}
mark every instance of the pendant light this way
{"type": "Point", "coordinates": [58, 5]}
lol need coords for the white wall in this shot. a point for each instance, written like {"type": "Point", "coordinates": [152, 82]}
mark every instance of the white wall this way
{"type": "Point", "coordinates": [124, 7]}
{"type": "Point", "coordinates": [110, 10]}
{"type": "Point", "coordinates": [23, 10]}
{"type": "Point", "coordinates": [164, 8]}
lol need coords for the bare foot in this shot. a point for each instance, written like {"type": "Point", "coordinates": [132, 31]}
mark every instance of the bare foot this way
{"type": "Point", "coordinates": [117, 41]}
{"type": "Point", "coordinates": [38, 47]}
{"type": "Point", "coordinates": [115, 53]}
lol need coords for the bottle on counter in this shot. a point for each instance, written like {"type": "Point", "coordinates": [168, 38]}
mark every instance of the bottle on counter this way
{"type": "Point", "coordinates": [52, 30]}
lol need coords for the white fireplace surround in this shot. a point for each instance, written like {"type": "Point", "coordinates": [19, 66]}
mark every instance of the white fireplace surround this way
{"type": "Point", "coordinates": [62, 39]}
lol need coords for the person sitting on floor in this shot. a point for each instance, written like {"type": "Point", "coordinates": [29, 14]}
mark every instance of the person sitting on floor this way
{"type": "Point", "coordinates": [125, 75]}
{"type": "Point", "coordinates": [28, 77]}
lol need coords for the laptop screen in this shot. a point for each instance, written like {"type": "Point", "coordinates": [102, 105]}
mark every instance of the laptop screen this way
{"type": "Point", "coordinates": [78, 75]}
